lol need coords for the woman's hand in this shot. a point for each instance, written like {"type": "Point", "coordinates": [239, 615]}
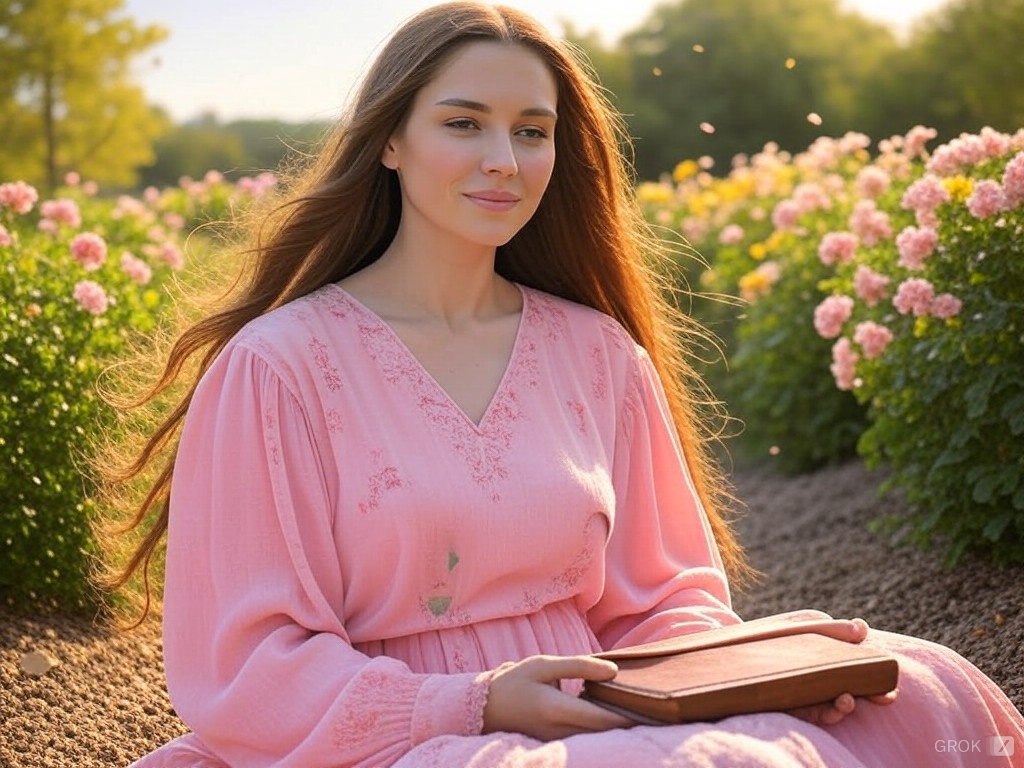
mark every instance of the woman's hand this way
{"type": "Point", "coordinates": [852, 631]}
{"type": "Point", "coordinates": [834, 712]}
{"type": "Point", "coordinates": [524, 698]}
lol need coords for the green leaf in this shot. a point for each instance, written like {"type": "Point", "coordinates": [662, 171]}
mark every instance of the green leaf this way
{"type": "Point", "coordinates": [994, 530]}
{"type": "Point", "coordinates": [977, 395]}
{"type": "Point", "coordinates": [985, 488]}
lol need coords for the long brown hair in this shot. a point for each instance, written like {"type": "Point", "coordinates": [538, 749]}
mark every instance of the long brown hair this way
{"type": "Point", "coordinates": [587, 242]}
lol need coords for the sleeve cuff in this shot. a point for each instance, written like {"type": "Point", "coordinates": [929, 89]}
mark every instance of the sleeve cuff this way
{"type": "Point", "coordinates": [450, 704]}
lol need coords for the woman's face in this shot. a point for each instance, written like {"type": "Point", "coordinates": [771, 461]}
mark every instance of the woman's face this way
{"type": "Point", "coordinates": [477, 149]}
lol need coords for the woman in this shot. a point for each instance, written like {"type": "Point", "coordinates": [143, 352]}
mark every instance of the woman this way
{"type": "Point", "coordinates": [442, 449]}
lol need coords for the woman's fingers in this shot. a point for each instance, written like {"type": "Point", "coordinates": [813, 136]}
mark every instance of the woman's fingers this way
{"type": "Point", "coordinates": [847, 630]}
{"type": "Point", "coordinates": [885, 698]}
{"type": "Point", "coordinates": [524, 698]}
{"type": "Point", "coordinates": [550, 669]}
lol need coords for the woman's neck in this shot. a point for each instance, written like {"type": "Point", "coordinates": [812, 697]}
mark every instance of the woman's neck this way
{"type": "Point", "coordinates": [449, 283]}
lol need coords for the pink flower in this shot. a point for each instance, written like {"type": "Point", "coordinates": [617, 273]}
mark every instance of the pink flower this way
{"type": "Point", "coordinates": [916, 138]}
{"type": "Point", "coordinates": [89, 250]}
{"type": "Point", "coordinates": [5, 237]}
{"type": "Point", "coordinates": [811, 197]}
{"type": "Point", "coordinates": [830, 315]}
{"type": "Point", "coordinates": [914, 295]}
{"type": "Point", "coordinates": [694, 228]}
{"type": "Point", "coordinates": [174, 220]}
{"type": "Point", "coordinates": [731, 234]}
{"type": "Point", "coordinates": [151, 195]}
{"type": "Point", "coordinates": [90, 188]}
{"type": "Point", "coordinates": [996, 144]}
{"type": "Point", "coordinates": [873, 338]}
{"type": "Point", "coordinates": [171, 256]}
{"type": "Point", "coordinates": [945, 306]}
{"type": "Point", "coordinates": [987, 199]}
{"type": "Point", "coordinates": [72, 179]}
{"type": "Point", "coordinates": [130, 206]}
{"type": "Point", "coordinates": [965, 151]}
{"type": "Point", "coordinates": [136, 268]}
{"type": "Point", "coordinates": [837, 247]}
{"type": "Point", "coordinates": [924, 196]}
{"type": "Point", "coordinates": [1013, 181]}
{"type": "Point", "coordinates": [844, 364]}
{"type": "Point", "coordinates": [785, 214]}
{"type": "Point", "coordinates": [870, 224]}
{"type": "Point", "coordinates": [91, 297]}
{"type": "Point", "coordinates": [18, 196]}
{"type": "Point", "coordinates": [49, 226]}
{"type": "Point", "coordinates": [871, 182]}
{"type": "Point", "coordinates": [61, 211]}
{"type": "Point", "coordinates": [915, 245]}
{"type": "Point", "coordinates": [869, 285]}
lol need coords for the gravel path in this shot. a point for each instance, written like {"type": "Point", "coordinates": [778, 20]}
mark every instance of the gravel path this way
{"type": "Point", "coordinates": [104, 703]}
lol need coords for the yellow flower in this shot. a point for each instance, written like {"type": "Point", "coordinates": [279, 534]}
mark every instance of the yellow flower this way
{"type": "Point", "coordinates": [758, 251]}
{"type": "Point", "coordinates": [959, 187]}
{"type": "Point", "coordinates": [774, 240]}
{"type": "Point", "coordinates": [754, 284]}
{"type": "Point", "coordinates": [685, 170]}
{"type": "Point", "coordinates": [652, 193]}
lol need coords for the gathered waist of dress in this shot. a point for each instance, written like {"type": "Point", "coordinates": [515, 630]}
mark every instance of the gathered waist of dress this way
{"type": "Point", "coordinates": [558, 629]}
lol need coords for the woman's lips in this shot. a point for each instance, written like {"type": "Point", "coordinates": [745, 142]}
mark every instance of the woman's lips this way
{"type": "Point", "coordinates": [493, 200]}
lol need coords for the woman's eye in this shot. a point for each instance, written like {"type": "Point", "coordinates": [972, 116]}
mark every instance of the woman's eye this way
{"type": "Point", "coordinates": [533, 133]}
{"type": "Point", "coordinates": [462, 124]}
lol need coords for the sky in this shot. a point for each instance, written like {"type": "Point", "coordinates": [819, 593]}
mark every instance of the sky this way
{"type": "Point", "coordinates": [299, 60]}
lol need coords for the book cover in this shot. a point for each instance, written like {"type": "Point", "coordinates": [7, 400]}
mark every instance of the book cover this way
{"type": "Point", "coordinates": [766, 674]}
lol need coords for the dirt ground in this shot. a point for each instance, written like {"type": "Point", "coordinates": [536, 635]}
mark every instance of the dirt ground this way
{"type": "Point", "coordinates": [104, 703]}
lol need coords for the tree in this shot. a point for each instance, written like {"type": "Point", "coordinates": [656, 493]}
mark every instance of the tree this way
{"type": "Point", "coordinates": [66, 97]}
{"type": "Point", "coordinates": [973, 55]}
{"type": "Point", "coordinates": [752, 70]}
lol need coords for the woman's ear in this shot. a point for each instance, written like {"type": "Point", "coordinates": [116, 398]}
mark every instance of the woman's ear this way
{"type": "Point", "coordinates": [389, 157]}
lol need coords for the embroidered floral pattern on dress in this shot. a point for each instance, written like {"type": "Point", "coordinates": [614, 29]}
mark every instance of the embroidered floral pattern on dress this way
{"type": "Point", "coordinates": [335, 422]}
{"type": "Point", "coordinates": [564, 583]}
{"type": "Point", "coordinates": [579, 412]}
{"type": "Point", "coordinates": [599, 384]}
{"type": "Point", "coordinates": [385, 478]}
{"type": "Point", "coordinates": [270, 436]}
{"type": "Point", "coordinates": [323, 361]}
{"type": "Point", "coordinates": [370, 700]}
{"type": "Point", "coordinates": [542, 312]}
{"type": "Point", "coordinates": [483, 447]}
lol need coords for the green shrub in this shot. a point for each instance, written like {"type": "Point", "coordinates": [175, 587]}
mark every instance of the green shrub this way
{"type": "Point", "coordinates": [946, 394]}
{"type": "Point", "coordinates": [82, 280]}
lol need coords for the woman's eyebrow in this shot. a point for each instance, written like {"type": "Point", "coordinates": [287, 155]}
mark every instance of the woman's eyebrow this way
{"type": "Point", "coordinates": [477, 106]}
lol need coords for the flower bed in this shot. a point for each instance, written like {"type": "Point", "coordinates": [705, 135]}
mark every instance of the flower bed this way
{"type": "Point", "coordinates": [883, 312]}
{"type": "Point", "coordinates": [84, 278]}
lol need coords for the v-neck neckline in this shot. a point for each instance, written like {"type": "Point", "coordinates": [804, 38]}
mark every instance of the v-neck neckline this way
{"type": "Point", "coordinates": [510, 365]}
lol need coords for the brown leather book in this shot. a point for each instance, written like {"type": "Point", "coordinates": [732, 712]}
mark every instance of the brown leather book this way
{"type": "Point", "coordinates": [707, 678]}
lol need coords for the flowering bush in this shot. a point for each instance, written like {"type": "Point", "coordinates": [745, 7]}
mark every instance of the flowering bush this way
{"type": "Point", "coordinates": [896, 282]}
{"type": "Point", "coordinates": [941, 364]}
{"type": "Point", "coordinates": [82, 278]}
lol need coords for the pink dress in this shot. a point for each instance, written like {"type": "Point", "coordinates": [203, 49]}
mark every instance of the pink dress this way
{"type": "Point", "coordinates": [348, 553]}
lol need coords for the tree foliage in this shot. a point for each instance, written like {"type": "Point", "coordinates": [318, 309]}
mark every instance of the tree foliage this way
{"type": "Point", "coordinates": [751, 71]}
{"type": "Point", "coordinates": [67, 100]}
{"type": "Point", "coordinates": [237, 148]}
{"type": "Point", "coordinates": [755, 71]}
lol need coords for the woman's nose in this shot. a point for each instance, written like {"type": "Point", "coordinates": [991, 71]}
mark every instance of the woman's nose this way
{"type": "Point", "coordinates": [500, 157]}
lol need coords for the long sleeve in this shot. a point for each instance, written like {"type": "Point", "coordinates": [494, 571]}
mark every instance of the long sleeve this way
{"type": "Point", "coordinates": [663, 574]}
{"type": "Point", "coordinates": [258, 661]}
